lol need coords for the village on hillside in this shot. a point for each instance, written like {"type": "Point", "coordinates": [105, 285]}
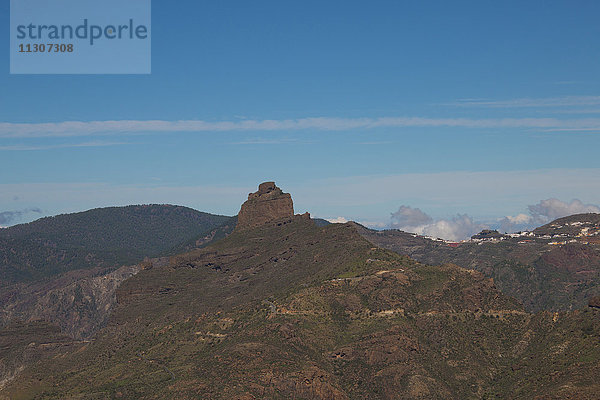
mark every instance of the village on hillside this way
{"type": "Point", "coordinates": [555, 234]}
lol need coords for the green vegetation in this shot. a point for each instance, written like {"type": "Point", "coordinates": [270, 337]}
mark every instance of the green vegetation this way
{"type": "Point", "coordinates": [540, 275]}
{"type": "Point", "coordinates": [105, 237]}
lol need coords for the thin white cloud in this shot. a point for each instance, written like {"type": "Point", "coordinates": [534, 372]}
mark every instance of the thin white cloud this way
{"type": "Point", "coordinates": [590, 130]}
{"type": "Point", "coordinates": [59, 146]}
{"type": "Point", "coordinates": [565, 101]}
{"type": "Point", "coordinates": [81, 128]}
{"type": "Point", "coordinates": [376, 143]}
{"type": "Point", "coordinates": [568, 82]}
{"type": "Point", "coordinates": [265, 141]}
{"type": "Point", "coordinates": [578, 111]}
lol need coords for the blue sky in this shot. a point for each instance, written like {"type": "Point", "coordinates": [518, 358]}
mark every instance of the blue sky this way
{"type": "Point", "coordinates": [356, 108]}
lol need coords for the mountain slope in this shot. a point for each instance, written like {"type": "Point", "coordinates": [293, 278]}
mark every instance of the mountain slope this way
{"type": "Point", "coordinates": [556, 267]}
{"type": "Point", "coordinates": [292, 310]}
{"type": "Point", "coordinates": [105, 237]}
{"type": "Point", "coordinates": [65, 269]}
{"type": "Point", "coordinates": [285, 309]}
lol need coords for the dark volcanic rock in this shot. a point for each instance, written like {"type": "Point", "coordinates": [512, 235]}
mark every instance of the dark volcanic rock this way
{"type": "Point", "coordinates": [269, 203]}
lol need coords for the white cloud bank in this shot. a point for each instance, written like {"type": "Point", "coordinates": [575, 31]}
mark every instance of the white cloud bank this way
{"type": "Point", "coordinates": [414, 220]}
{"type": "Point", "coordinates": [463, 226]}
{"type": "Point", "coordinates": [545, 211]}
{"type": "Point", "coordinates": [553, 208]}
{"type": "Point", "coordinates": [338, 220]}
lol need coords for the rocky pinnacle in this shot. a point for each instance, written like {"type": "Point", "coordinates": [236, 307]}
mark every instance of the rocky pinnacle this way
{"type": "Point", "coordinates": [269, 203]}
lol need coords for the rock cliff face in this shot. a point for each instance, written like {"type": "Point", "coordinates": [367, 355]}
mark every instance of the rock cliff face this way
{"type": "Point", "coordinates": [78, 302]}
{"type": "Point", "coordinates": [269, 203]}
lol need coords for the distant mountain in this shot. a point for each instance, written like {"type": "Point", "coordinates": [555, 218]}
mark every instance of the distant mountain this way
{"type": "Point", "coordinates": [284, 309]}
{"type": "Point", "coordinates": [555, 267]}
{"type": "Point", "coordinates": [321, 222]}
{"type": "Point", "coordinates": [104, 237]}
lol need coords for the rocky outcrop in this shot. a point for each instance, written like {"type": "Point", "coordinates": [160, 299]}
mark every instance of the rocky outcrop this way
{"type": "Point", "coordinates": [268, 204]}
{"type": "Point", "coordinates": [79, 302]}
{"type": "Point", "coordinates": [594, 302]}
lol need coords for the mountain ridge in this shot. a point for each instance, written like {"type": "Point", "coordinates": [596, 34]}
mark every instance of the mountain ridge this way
{"type": "Point", "coordinates": [107, 237]}
{"type": "Point", "coordinates": [288, 309]}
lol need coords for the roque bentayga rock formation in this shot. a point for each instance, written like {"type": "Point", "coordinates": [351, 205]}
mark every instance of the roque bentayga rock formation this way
{"type": "Point", "coordinates": [269, 203]}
